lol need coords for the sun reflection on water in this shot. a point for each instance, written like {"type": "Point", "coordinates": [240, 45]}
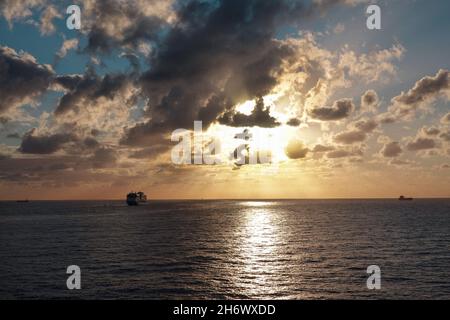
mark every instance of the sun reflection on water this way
{"type": "Point", "coordinates": [256, 203]}
{"type": "Point", "coordinates": [259, 246]}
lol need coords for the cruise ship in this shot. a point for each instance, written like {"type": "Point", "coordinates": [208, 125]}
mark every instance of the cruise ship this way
{"type": "Point", "coordinates": [136, 198]}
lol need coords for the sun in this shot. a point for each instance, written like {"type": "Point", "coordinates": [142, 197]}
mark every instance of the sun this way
{"type": "Point", "coordinates": [269, 140]}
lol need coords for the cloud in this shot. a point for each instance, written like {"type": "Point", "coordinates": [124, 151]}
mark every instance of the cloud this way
{"type": "Point", "coordinates": [150, 152]}
{"type": "Point", "coordinates": [350, 137]}
{"type": "Point", "coordinates": [387, 118]}
{"type": "Point", "coordinates": [66, 46]}
{"type": "Point", "coordinates": [374, 66]}
{"type": "Point", "coordinates": [430, 131]}
{"type": "Point", "coordinates": [359, 132]}
{"type": "Point", "coordinates": [217, 55]}
{"type": "Point", "coordinates": [296, 150]}
{"type": "Point", "coordinates": [341, 109]}
{"type": "Point", "coordinates": [13, 136]}
{"type": "Point", "coordinates": [22, 79]}
{"type": "Point", "coordinates": [109, 25]}
{"type": "Point", "coordinates": [202, 59]}
{"type": "Point", "coordinates": [421, 143]}
{"type": "Point", "coordinates": [91, 143]}
{"type": "Point", "coordinates": [16, 10]}
{"type": "Point", "coordinates": [398, 162]}
{"type": "Point", "coordinates": [93, 90]}
{"type": "Point", "coordinates": [260, 117]}
{"type": "Point", "coordinates": [367, 126]}
{"type": "Point", "coordinates": [46, 21]}
{"type": "Point", "coordinates": [44, 144]}
{"type": "Point", "coordinates": [104, 158]}
{"type": "Point", "coordinates": [424, 92]}
{"type": "Point", "coordinates": [342, 153]}
{"type": "Point", "coordinates": [321, 148]}
{"type": "Point", "coordinates": [445, 136]}
{"type": "Point", "coordinates": [133, 60]}
{"type": "Point", "coordinates": [370, 101]}
{"type": "Point", "coordinates": [446, 119]}
{"type": "Point", "coordinates": [294, 122]}
{"type": "Point", "coordinates": [391, 150]}
{"type": "Point", "coordinates": [425, 88]}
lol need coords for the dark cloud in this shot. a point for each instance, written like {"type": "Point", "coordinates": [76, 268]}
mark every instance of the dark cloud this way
{"type": "Point", "coordinates": [87, 89]}
{"type": "Point", "coordinates": [44, 144]}
{"type": "Point", "coordinates": [426, 89]}
{"type": "Point", "coordinates": [359, 132]}
{"type": "Point", "coordinates": [145, 134]}
{"type": "Point", "coordinates": [59, 166]}
{"type": "Point", "coordinates": [421, 144]}
{"type": "Point", "coordinates": [91, 143]}
{"type": "Point", "coordinates": [134, 24]}
{"type": "Point", "coordinates": [150, 152]}
{"type": "Point", "coordinates": [260, 117]}
{"type": "Point", "coordinates": [95, 132]}
{"type": "Point", "coordinates": [367, 126]}
{"type": "Point", "coordinates": [431, 131]}
{"type": "Point", "coordinates": [104, 158]}
{"type": "Point", "coordinates": [294, 122]}
{"type": "Point", "coordinates": [4, 120]}
{"type": "Point", "coordinates": [218, 54]}
{"type": "Point", "coordinates": [56, 171]}
{"type": "Point", "coordinates": [369, 101]}
{"type": "Point", "coordinates": [21, 78]}
{"type": "Point", "coordinates": [391, 150]}
{"type": "Point", "coordinates": [13, 136]}
{"type": "Point", "coordinates": [341, 109]}
{"type": "Point", "coordinates": [445, 136]}
{"type": "Point", "coordinates": [296, 150]}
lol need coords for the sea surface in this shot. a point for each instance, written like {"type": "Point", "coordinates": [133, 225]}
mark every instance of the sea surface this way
{"type": "Point", "coordinates": [302, 249]}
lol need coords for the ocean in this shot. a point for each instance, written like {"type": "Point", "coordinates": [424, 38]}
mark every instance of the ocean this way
{"type": "Point", "coordinates": [287, 249]}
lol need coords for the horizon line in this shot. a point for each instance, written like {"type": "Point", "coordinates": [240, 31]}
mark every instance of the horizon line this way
{"type": "Point", "coordinates": [231, 199]}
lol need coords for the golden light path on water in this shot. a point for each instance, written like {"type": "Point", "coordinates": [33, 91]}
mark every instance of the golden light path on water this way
{"type": "Point", "coordinates": [259, 246]}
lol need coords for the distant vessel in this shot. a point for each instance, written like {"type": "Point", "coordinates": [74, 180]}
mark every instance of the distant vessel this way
{"type": "Point", "coordinates": [23, 201]}
{"type": "Point", "coordinates": [402, 198]}
{"type": "Point", "coordinates": [136, 198]}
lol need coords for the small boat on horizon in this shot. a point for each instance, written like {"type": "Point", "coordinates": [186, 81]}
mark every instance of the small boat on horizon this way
{"type": "Point", "coordinates": [403, 198]}
{"type": "Point", "coordinates": [23, 201]}
{"type": "Point", "coordinates": [136, 198]}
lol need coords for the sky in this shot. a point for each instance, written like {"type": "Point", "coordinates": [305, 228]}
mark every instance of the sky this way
{"type": "Point", "coordinates": [314, 103]}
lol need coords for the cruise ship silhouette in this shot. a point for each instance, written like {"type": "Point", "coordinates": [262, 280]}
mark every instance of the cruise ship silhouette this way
{"type": "Point", "coordinates": [136, 198]}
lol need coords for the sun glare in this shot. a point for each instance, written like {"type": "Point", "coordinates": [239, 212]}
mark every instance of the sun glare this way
{"type": "Point", "coordinates": [271, 140]}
